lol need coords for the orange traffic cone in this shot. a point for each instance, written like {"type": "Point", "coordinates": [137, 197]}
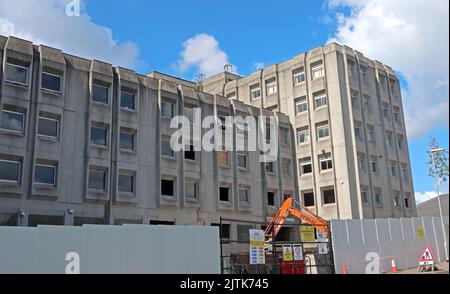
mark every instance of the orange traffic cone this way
{"type": "Point", "coordinates": [394, 268]}
{"type": "Point", "coordinates": [344, 269]}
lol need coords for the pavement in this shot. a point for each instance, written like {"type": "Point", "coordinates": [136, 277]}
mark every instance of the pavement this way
{"type": "Point", "coordinates": [443, 269]}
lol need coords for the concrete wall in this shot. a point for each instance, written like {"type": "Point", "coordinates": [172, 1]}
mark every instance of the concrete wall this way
{"type": "Point", "coordinates": [128, 249]}
{"type": "Point", "coordinates": [404, 239]}
{"type": "Point", "coordinates": [431, 207]}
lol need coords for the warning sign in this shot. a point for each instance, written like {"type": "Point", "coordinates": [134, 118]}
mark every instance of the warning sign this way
{"type": "Point", "coordinates": [307, 234]}
{"type": "Point", "coordinates": [427, 257]}
{"type": "Point", "coordinates": [287, 253]}
{"type": "Point", "coordinates": [257, 255]}
{"type": "Point", "coordinates": [298, 251]}
{"type": "Point", "coordinates": [420, 233]}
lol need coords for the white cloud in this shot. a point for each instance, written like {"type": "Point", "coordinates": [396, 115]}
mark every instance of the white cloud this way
{"type": "Point", "coordinates": [412, 36]}
{"type": "Point", "coordinates": [46, 22]}
{"type": "Point", "coordinates": [422, 197]}
{"type": "Point", "coordinates": [203, 53]}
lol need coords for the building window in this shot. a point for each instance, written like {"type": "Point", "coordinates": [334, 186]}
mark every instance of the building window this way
{"type": "Point", "coordinates": [244, 195]}
{"type": "Point", "coordinates": [396, 112]}
{"type": "Point", "coordinates": [243, 160]}
{"type": "Point", "coordinates": [407, 200]}
{"type": "Point", "coordinates": [364, 196]}
{"type": "Point", "coordinates": [305, 166]}
{"type": "Point", "coordinates": [166, 149]}
{"type": "Point", "coordinates": [191, 189]}
{"type": "Point", "coordinates": [224, 230]}
{"type": "Point", "coordinates": [299, 76]}
{"type": "Point", "coordinates": [366, 104]}
{"type": "Point", "coordinates": [271, 86]}
{"type": "Point", "coordinates": [45, 174]}
{"type": "Point", "coordinates": [223, 158]}
{"type": "Point", "coordinates": [16, 74]}
{"type": "Point", "coordinates": [385, 111]}
{"type": "Point", "coordinates": [167, 109]}
{"type": "Point", "coordinates": [308, 199]}
{"type": "Point", "coordinates": [51, 82]}
{"type": "Point", "coordinates": [127, 100]}
{"type": "Point", "coordinates": [167, 188]}
{"type": "Point", "coordinates": [286, 166]}
{"type": "Point", "coordinates": [303, 135]}
{"type": "Point", "coordinates": [127, 140]}
{"type": "Point", "coordinates": [190, 153]}
{"type": "Point", "coordinates": [374, 165]}
{"type": "Point", "coordinates": [357, 129]}
{"type": "Point", "coordinates": [323, 130]}
{"type": "Point", "coordinates": [328, 196]}
{"type": "Point", "coordinates": [100, 94]}
{"type": "Point", "coordinates": [13, 120]}
{"type": "Point", "coordinates": [326, 162]}
{"type": "Point", "coordinates": [10, 170]}
{"type": "Point", "coordinates": [378, 198]}
{"type": "Point", "coordinates": [351, 68]}
{"type": "Point", "coordinates": [405, 173]}
{"type": "Point", "coordinates": [97, 179]}
{"type": "Point", "coordinates": [370, 134]}
{"type": "Point", "coordinates": [317, 71]}
{"type": "Point", "coordinates": [270, 167]}
{"type": "Point", "coordinates": [231, 96]}
{"type": "Point", "coordinates": [393, 170]}
{"type": "Point", "coordinates": [362, 162]}
{"type": "Point", "coordinates": [355, 98]}
{"type": "Point", "coordinates": [189, 113]}
{"type": "Point", "coordinates": [363, 74]}
{"type": "Point", "coordinates": [243, 233]}
{"type": "Point", "coordinates": [48, 127]}
{"type": "Point", "coordinates": [255, 92]}
{"type": "Point", "coordinates": [270, 198]}
{"type": "Point", "coordinates": [320, 100]}
{"type": "Point", "coordinates": [400, 142]}
{"type": "Point", "coordinates": [284, 136]}
{"type": "Point", "coordinates": [301, 105]}
{"type": "Point", "coordinates": [126, 183]}
{"type": "Point", "coordinates": [389, 139]}
{"type": "Point", "coordinates": [99, 135]}
{"type": "Point", "coordinates": [396, 199]}
{"type": "Point", "coordinates": [224, 194]}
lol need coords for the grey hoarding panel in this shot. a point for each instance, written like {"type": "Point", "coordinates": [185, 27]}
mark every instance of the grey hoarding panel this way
{"type": "Point", "coordinates": [340, 243]}
{"type": "Point", "coordinates": [356, 250]}
{"type": "Point", "coordinates": [17, 250]}
{"type": "Point", "coordinates": [409, 242]}
{"type": "Point", "coordinates": [385, 244]}
{"type": "Point", "coordinates": [398, 247]}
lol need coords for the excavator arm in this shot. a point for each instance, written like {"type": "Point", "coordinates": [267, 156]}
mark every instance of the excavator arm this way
{"type": "Point", "coordinates": [304, 214]}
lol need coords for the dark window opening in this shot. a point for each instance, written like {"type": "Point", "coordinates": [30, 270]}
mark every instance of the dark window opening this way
{"type": "Point", "coordinates": [270, 198]}
{"type": "Point", "coordinates": [308, 199]}
{"type": "Point", "coordinates": [224, 194]}
{"type": "Point", "coordinates": [225, 230]}
{"type": "Point", "coordinates": [161, 223]}
{"type": "Point", "coordinates": [167, 188]}
{"type": "Point", "coordinates": [190, 153]}
{"type": "Point", "coordinates": [328, 197]}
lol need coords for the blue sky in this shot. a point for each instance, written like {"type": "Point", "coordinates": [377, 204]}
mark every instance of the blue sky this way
{"type": "Point", "coordinates": [163, 35]}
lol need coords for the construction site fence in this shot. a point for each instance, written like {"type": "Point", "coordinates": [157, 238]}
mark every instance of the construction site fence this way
{"type": "Point", "coordinates": [403, 240]}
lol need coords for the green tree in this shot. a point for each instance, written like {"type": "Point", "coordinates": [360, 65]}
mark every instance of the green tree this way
{"type": "Point", "coordinates": [440, 168]}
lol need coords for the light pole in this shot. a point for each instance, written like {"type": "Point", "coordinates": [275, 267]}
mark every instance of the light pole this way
{"type": "Point", "coordinates": [436, 177]}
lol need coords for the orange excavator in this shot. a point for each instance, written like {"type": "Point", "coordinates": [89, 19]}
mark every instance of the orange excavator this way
{"type": "Point", "coordinates": [286, 210]}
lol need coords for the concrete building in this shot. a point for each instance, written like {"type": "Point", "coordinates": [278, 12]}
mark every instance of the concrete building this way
{"type": "Point", "coordinates": [431, 207]}
{"type": "Point", "coordinates": [351, 139]}
{"type": "Point", "coordinates": [83, 142]}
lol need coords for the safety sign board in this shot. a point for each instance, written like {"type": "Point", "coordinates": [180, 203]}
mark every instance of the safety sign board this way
{"type": "Point", "coordinates": [257, 242]}
{"type": "Point", "coordinates": [298, 251]}
{"type": "Point", "coordinates": [322, 248]}
{"type": "Point", "coordinates": [287, 253]}
{"type": "Point", "coordinates": [427, 257]}
{"type": "Point", "coordinates": [420, 233]}
{"type": "Point", "coordinates": [307, 234]}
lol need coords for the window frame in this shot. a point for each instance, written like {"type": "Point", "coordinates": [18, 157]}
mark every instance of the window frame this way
{"type": "Point", "coordinates": [254, 89]}
{"type": "Point", "coordinates": [196, 189]}
{"type": "Point", "coordinates": [303, 104]}
{"type": "Point", "coordinates": [328, 160]}
{"type": "Point", "coordinates": [134, 100]}
{"type": "Point", "coordinates": [54, 75]}
{"type": "Point", "coordinates": [133, 136]}
{"type": "Point", "coordinates": [22, 124]}
{"type": "Point", "coordinates": [54, 167]}
{"type": "Point", "coordinates": [271, 87]}
{"type": "Point", "coordinates": [320, 97]}
{"type": "Point", "coordinates": [107, 94]}
{"type": "Point", "coordinates": [323, 127]}
{"type": "Point", "coordinates": [306, 134]}
{"type": "Point", "coordinates": [104, 173]}
{"type": "Point", "coordinates": [247, 195]}
{"type": "Point", "coordinates": [19, 66]}
{"type": "Point", "coordinates": [299, 73]}
{"type": "Point", "coordinates": [133, 182]}
{"type": "Point", "coordinates": [106, 136]}
{"type": "Point", "coordinates": [50, 119]}
{"type": "Point", "coordinates": [19, 171]}
{"type": "Point", "coordinates": [172, 104]}
{"type": "Point", "coordinates": [319, 68]}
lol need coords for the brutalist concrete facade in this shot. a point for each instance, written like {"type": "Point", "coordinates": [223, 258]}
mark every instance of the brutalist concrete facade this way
{"type": "Point", "coordinates": [348, 115]}
{"type": "Point", "coordinates": [71, 154]}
